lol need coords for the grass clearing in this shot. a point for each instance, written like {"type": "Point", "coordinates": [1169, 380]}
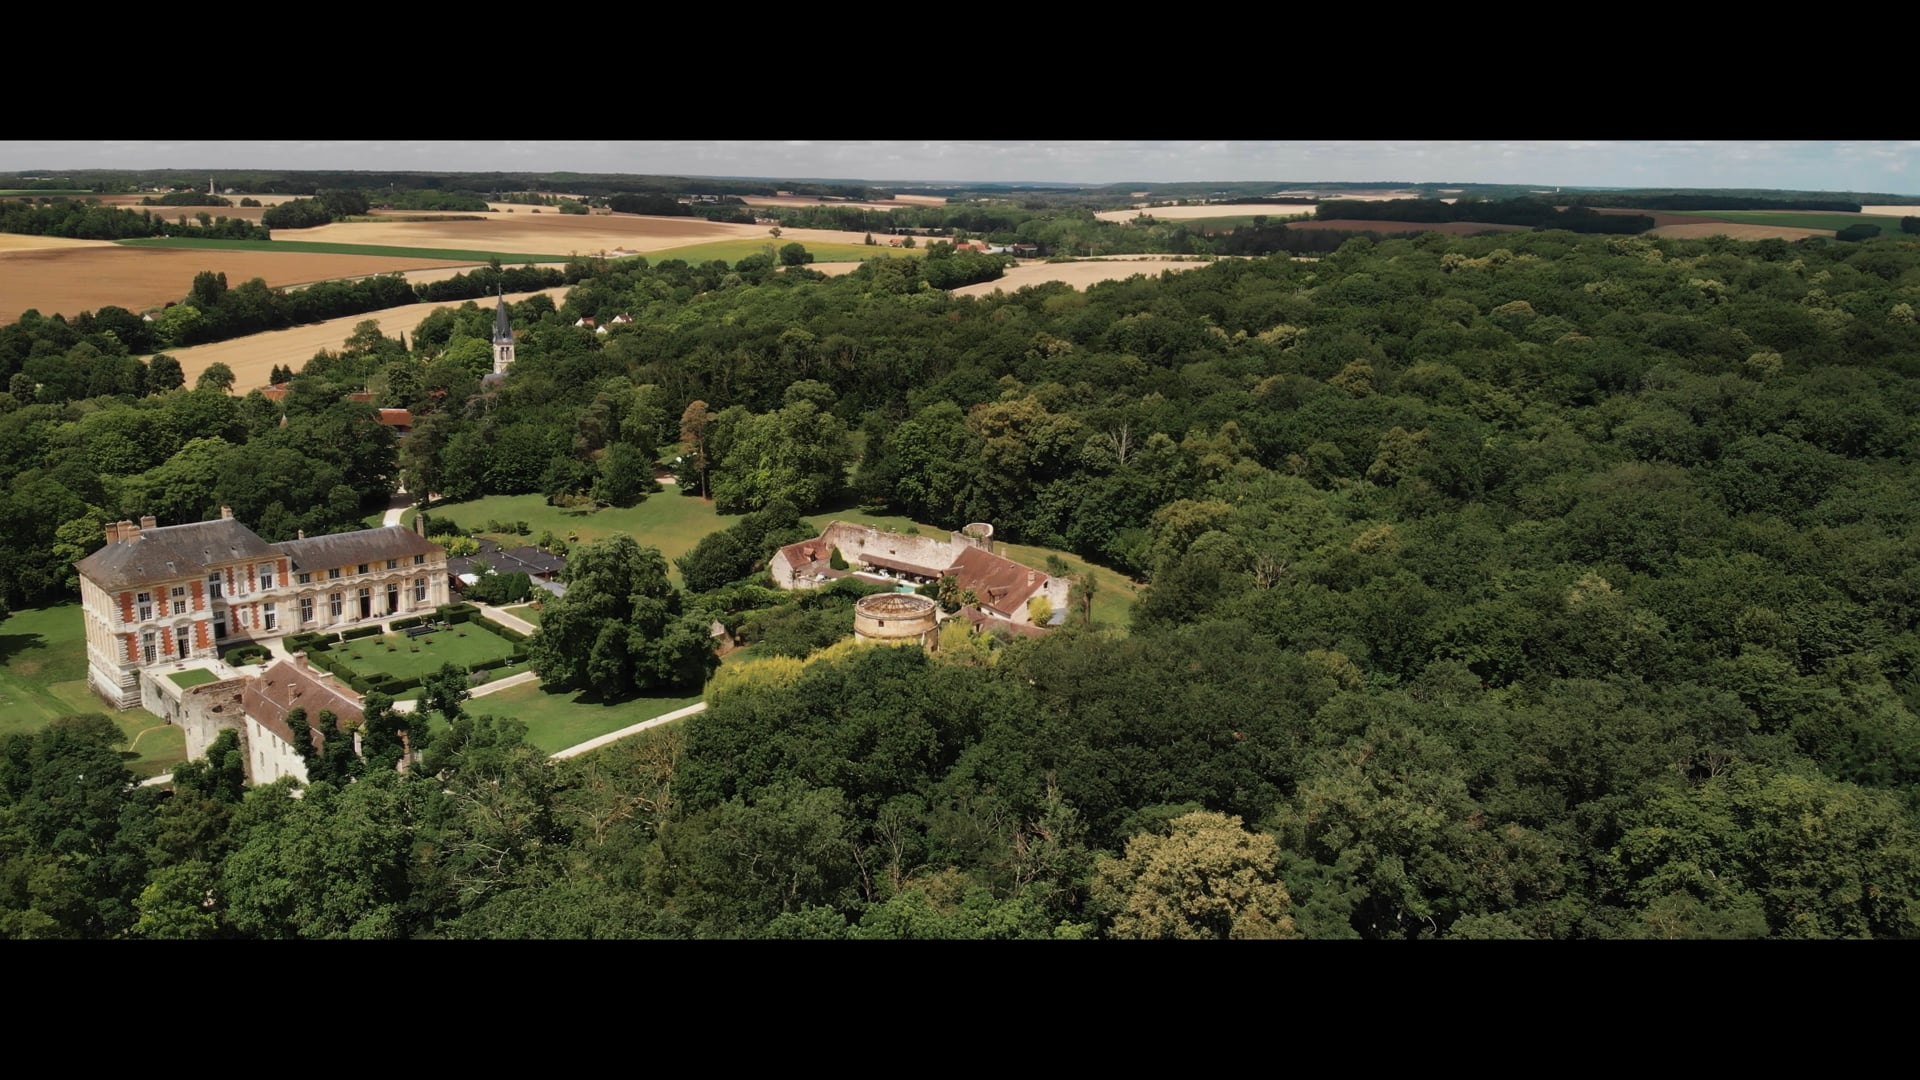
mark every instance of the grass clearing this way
{"type": "Point", "coordinates": [309, 247]}
{"type": "Point", "coordinates": [558, 720]}
{"type": "Point", "coordinates": [403, 657]}
{"type": "Point", "coordinates": [43, 676]}
{"type": "Point", "coordinates": [525, 611]}
{"type": "Point", "coordinates": [1888, 226]}
{"type": "Point", "coordinates": [667, 520]}
{"type": "Point", "coordinates": [184, 679]}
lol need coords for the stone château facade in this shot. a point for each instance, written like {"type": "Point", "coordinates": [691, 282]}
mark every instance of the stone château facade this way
{"type": "Point", "coordinates": [159, 594]}
{"type": "Point", "coordinates": [1001, 585]}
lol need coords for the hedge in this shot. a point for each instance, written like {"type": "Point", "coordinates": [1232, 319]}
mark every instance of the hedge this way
{"type": "Point", "coordinates": [458, 613]}
{"type": "Point", "coordinates": [310, 641]}
{"type": "Point", "coordinates": [402, 624]}
{"type": "Point", "coordinates": [512, 635]}
{"type": "Point", "coordinates": [359, 632]}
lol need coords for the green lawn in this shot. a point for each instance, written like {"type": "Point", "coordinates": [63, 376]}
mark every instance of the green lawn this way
{"type": "Point", "coordinates": [312, 247]}
{"type": "Point", "coordinates": [1114, 595]}
{"type": "Point", "coordinates": [1888, 226]}
{"type": "Point", "coordinates": [557, 721]}
{"type": "Point", "coordinates": [43, 676]}
{"type": "Point", "coordinates": [184, 679]}
{"type": "Point", "coordinates": [525, 611]}
{"type": "Point", "coordinates": [49, 192]}
{"type": "Point", "coordinates": [667, 520]}
{"type": "Point", "coordinates": [403, 657]}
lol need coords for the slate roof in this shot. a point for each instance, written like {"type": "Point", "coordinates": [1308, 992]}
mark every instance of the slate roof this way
{"type": "Point", "coordinates": [353, 548]}
{"type": "Point", "coordinates": [170, 552]}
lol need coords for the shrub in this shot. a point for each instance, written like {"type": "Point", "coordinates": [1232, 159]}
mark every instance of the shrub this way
{"type": "Point", "coordinates": [359, 632]}
{"type": "Point", "coordinates": [414, 620]}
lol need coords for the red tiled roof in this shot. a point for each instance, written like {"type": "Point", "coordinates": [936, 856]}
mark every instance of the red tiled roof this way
{"type": "Point", "coordinates": [269, 697]}
{"type": "Point", "coordinates": [1001, 584]}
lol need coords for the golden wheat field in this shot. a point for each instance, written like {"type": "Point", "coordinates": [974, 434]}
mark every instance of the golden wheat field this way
{"type": "Point", "coordinates": [69, 280]}
{"type": "Point", "coordinates": [254, 357]}
{"type": "Point", "coordinates": [1078, 274]}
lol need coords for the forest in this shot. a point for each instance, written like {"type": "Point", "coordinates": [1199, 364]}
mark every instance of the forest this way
{"type": "Point", "coordinates": [1532, 586]}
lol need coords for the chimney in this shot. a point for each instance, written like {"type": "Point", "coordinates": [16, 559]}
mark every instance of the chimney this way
{"type": "Point", "coordinates": [300, 660]}
{"type": "Point", "coordinates": [226, 513]}
{"type": "Point", "coordinates": [146, 521]}
{"type": "Point", "coordinates": [300, 534]}
{"type": "Point", "coordinates": [129, 531]}
{"type": "Point", "coordinates": [113, 532]}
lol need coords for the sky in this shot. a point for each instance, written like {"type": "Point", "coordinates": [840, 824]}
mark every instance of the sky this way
{"type": "Point", "coordinates": [1892, 167]}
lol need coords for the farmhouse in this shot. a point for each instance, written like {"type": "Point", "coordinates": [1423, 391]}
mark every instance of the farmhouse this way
{"type": "Point", "coordinates": [1001, 586]}
{"type": "Point", "coordinates": [158, 595]}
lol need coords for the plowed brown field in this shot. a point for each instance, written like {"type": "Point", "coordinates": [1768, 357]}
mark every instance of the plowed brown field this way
{"type": "Point", "coordinates": [1077, 274]}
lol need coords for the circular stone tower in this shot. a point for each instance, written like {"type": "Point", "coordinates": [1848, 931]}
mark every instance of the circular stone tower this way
{"type": "Point", "coordinates": [895, 618]}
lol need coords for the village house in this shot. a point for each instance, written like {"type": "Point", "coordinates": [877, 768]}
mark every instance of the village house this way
{"type": "Point", "coordinates": [1001, 586]}
{"type": "Point", "coordinates": [163, 595]}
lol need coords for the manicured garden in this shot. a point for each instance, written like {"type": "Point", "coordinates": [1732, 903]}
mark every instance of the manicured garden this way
{"type": "Point", "coordinates": [402, 657]}
{"type": "Point", "coordinates": [43, 676]}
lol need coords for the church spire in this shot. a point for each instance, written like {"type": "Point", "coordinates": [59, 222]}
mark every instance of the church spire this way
{"type": "Point", "coordinates": [502, 335]}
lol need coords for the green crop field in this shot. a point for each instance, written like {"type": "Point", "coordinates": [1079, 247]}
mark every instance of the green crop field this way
{"type": "Point", "coordinates": [65, 193]}
{"type": "Point", "coordinates": [403, 657]}
{"type": "Point", "coordinates": [1888, 226]}
{"type": "Point", "coordinates": [43, 676]}
{"type": "Point", "coordinates": [309, 247]}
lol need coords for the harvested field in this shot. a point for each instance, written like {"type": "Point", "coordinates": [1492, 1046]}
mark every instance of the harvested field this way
{"type": "Point", "coordinates": [253, 357]}
{"type": "Point", "coordinates": [1077, 274]}
{"type": "Point", "coordinates": [69, 280]}
{"type": "Point", "coordinates": [1210, 210]}
{"type": "Point", "coordinates": [23, 242]}
{"type": "Point", "coordinates": [1452, 228]}
{"type": "Point", "coordinates": [808, 200]}
{"type": "Point", "coordinates": [1892, 211]}
{"type": "Point", "coordinates": [1700, 230]}
{"type": "Point", "coordinates": [588, 234]}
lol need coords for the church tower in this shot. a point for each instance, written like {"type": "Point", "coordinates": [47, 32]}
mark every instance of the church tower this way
{"type": "Point", "coordinates": [502, 337]}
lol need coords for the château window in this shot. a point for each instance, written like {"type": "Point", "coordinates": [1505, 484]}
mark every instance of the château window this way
{"type": "Point", "coordinates": [270, 618]}
{"type": "Point", "coordinates": [419, 590]}
{"type": "Point", "coordinates": [306, 609]}
{"type": "Point", "coordinates": [333, 604]}
{"type": "Point", "coordinates": [393, 564]}
{"type": "Point", "coordinates": [213, 585]}
{"type": "Point", "coordinates": [179, 599]}
{"type": "Point", "coordinates": [146, 606]}
{"type": "Point", "coordinates": [419, 560]}
{"type": "Point", "coordinates": [332, 573]}
{"type": "Point", "coordinates": [362, 570]}
{"type": "Point", "coordinates": [304, 579]}
{"type": "Point", "coordinates": [266, 576]}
